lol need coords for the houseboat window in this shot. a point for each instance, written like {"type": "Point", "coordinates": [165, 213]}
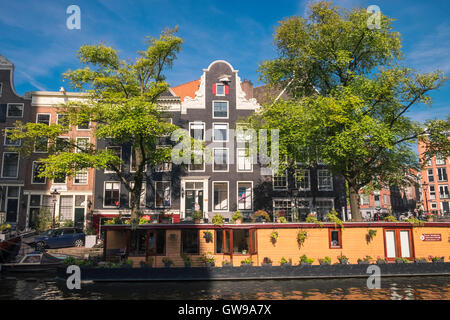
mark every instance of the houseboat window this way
{"type": "Point", "coordinates": [189, 241]}
{"type": "Point", "coordinates": [241, 241]}
{"type": "Point", "coordinates": [390, 244]}
{"type": "Point", "coordinates": [404, 244]}
{"type": "Point", "coordinates": [335, 239]}
{"type": "Point", "coordinates": [156, 242]}
{"type": "Point", "coordinates": [223, 241]}
{"type": "Point", "coordinates": [253, 247]}
{"type": "Point", "coordinates": [137, 246]}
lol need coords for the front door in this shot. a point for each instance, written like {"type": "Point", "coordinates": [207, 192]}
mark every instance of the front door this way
{"type": "Point", "coordinates": [194, 198]}
{"type": "Point", "coordinates": [445, 207]}
{"type": "Point", "coordinates": [11, 210]}
{"type": "Point", "coordinates": [79, 218]}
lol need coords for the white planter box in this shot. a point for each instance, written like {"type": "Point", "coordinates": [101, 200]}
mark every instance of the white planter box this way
{"type": "Point", "coordinates": [90, 241]}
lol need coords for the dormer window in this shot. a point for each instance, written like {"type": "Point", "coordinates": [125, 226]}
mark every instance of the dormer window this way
{"type": "Point", "coordinates": [220, 89]}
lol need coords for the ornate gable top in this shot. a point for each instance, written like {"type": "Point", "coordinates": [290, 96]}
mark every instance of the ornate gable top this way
{"type": "Point", "coordinates": [5, 62]}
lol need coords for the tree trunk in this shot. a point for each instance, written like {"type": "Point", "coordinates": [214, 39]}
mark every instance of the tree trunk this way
{"type": "Point", "coordinates": [138, 180]}
{"type": "Point", "coordinates": [354, 203]}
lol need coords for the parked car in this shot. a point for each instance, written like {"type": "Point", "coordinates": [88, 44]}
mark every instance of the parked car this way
{"type": "Point", "coordinates": [61, 237]}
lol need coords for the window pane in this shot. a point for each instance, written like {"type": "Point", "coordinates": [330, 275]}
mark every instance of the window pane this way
{"type": "Point", "coordinates": [137, 246]}
{"type": "Point", "coordinates": [219, 241]}
{"type": "Point", "coordinates": [220, 190]}
{"type": "Point", "coordinates": [65, 208]}
{"type": "Point", "coordinates": [189, 240]}
{"type": "Point", "coordinates": [404, 243]}
{"type": "Point", "coordinates": [220, 132]}
{"type": "Point", "coordinates": [10, 165]}
{"type": "Point", "coordinates": [220, 109]}
{"type": "Point", "coordinates": [335, 239]}
{"type": "Point", "coordinates": [37, 168]}
{"type": "Point", "coordinates": [220, 89]}
{"type": "Point", "coordinates": [240, 241]}
{"type": "Point", "coordinates": [163, 196]}
{"type": "Point", "coordinates": [390, 244]}
{"type": "Point", "coordinates": [220, 159]}
{"type": "Point", "coordinates": [15, 110]}
{"type": "Point", "coordinates": [244, 196]}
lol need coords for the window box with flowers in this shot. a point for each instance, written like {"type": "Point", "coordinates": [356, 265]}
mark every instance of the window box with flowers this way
{"type": "Point", "coordinates": [208, 259]}
{"type": "Point", "coordinates": [267, 262]}
{"type": "Point", "coordinates": [167, 262]}
{"type": "Point", "coordinates": [305, 261]}
{"type": "Point", "coordinates": [342, 259]}
{"type": "Point", "coordinates": [365, 260]}
{"type": "Point", "coordinates": [247, 262]}
{"type": "Point", "coordinates": [285, 263]}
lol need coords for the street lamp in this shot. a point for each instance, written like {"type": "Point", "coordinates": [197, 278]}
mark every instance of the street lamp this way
{"type": "Point", "coordinates": [54, 194]}
{"type": "Point", "coordinates": [425, 186]}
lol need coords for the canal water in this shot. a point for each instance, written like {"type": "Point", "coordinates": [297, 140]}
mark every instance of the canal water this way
{"type": "Point", "coordinates": [402, 288]}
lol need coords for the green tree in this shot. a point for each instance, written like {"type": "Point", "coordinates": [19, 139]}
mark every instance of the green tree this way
{"type": "Point", "coordinates": [350, 98]}
{"type": "Point", "coordinates": [121, 103]}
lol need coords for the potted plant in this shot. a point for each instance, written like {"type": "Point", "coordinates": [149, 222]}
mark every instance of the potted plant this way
{"type": "Point", "coordinates": [304, 260]}
{"type": "Point", "coordinates": [237, 217]}
{"type": "Point", "coordinates": [226, 263]}
{"type": "Point", "coordinates": [390, 218]}
{"type": "Point", "coordinates": [285, 262]}
{"type": "Point", "coordinates": [301, 237]}
{"type": "Point", "coordinates": [420, 260]}
{"type": "Point", "coordinates": [402, 260]}
{"type": "Point", "coordinates": [435, 259]}
{"type": "Point", "coordinates": [247, 262]}
{"type": "Point", "coordinates": [430, 217]}
{"type": "Point", "coordinates": [208, 259]}
{"type": "Point", "coordinates": [197, 216]}
{"type": "Point", "coordinates": [381, 261]}
{"type": "Point", "coordinates": [127, 263]}
{"type": "Point", "coordinates": [342, 259]}
{"type": "Point", "coordinates": [260, 215]}
{"type": "Point", "coordinates": [365, 260]}
{"type": "Point", "coordinates": [276, 215]}
{"type": "Point", "coordinates": [283, 220]}
{"type": "Point", "coordinates": [145, 219]}
{"type": "Point", "coordinates": [274, 237]}
{"type": "Point", "coordinates": [324, 261]}
{"type": "Point", "coordinates": [147, 264]}
{"type": "Point", "coordinates": [218, 220]}
{"type": "Point", "coordinates": [167, 262]}
{"type": "Point", "coordinates": [186, 259]}
{"type": "Point", "coordinates": [370, 235]}
{"type": "Point", "coordinates": [267, 262]}
{"type": "Point", "coordinates": [208, 236]}
{"type": "Point", "coordinates": [244, 251]}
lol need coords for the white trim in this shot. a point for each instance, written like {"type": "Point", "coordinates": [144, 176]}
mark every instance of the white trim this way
{"type": "Point", "coordinates": [237, 195]}
{"type": "Point", "coordinates": [170, 194]}
{"type": "Point", "coordinates": [220, 61]}
{"type": "Point", "coordinates": [228, 160]}
{"type": "Point", "coordinates": [227, 131]}
{"type": "Point", "coordinates": [297, 183]}
{"type": "Point", "coordinates": [87, 178]}
{"type": "Point", "coordinates": [327, 188]}
{"type": "Point", "coordinates": [228, 197]}
{"type": "Point", "coordinates": [77, 150]}
{"type": "Point", "coordinates": [228, 109]}
{"type": "Point", "coordinates": [284, 188]}
{"type": "Point", "coordinates": [106, 169]}
{"type": "Point", "coordinates": [223, 85]}
{"type": "Point", "coordinates": [44, 113]}
{"type": "Point", "coordinates": [32, 174]}
{"type": "Point", "coordinates": [5, 136]}
{"type": "Point", "coordinates": [18, 103]}
{"type": "Point", "coordinates": [249, 159]}
{"type": "Point", "coordinates": [104, 193]}
{"type": "Point", "coordinates": [18, 164]}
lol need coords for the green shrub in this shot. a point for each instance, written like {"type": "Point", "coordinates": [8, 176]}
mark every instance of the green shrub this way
{"type": "Point", "coordinates": [218, 220]}
{"type": "Point", "coordinates": [236, 216]}
{"type": "Point", "coordinates": [198, 215]}
{"type": "Point", "coordinates": [305, 259]}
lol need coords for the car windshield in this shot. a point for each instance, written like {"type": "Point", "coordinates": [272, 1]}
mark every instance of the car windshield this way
{"type": "Point", "coordinates": [48, 232]}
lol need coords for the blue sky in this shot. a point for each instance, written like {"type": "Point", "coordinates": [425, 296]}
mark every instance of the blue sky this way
{"type": "Point", "coordinates": [35, 38]}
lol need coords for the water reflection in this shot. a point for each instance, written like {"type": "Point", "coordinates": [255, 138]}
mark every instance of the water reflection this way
{"type": "Point", "coordinates": [429, 288]}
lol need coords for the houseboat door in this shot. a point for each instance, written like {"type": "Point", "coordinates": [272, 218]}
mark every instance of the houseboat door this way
{"type": "Point", "coordinates": [398, 244]}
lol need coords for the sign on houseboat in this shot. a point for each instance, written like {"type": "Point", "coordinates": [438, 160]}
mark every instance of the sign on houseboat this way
{"type": "Point", "coordinates": [431, 237]}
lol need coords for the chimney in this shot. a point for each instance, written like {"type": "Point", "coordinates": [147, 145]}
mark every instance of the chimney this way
{"type": "Point", "coordinates": [247, 87]}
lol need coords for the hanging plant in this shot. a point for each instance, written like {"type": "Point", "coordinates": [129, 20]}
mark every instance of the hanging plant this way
{"type": "Point", "coordinates": [333, 217]}
{"type": "Point", "coordinates": [274, 236]}
{"type": "Point", "coordinates": [207, 235]}
{"type": "Point", "coordinates": [301, 237]}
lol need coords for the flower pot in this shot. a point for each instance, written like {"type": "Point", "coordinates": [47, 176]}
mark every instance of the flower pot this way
{"type": "Point", "coordinates": [430, 219]}
{"type": "Point", "coordinates": [197, 221]}
{"type": "Point", "coordinates": [439, 261]}
{"type": "Point", "coordinates": [420, 261]}
{"type": "Point", "coordinates": [187, 264]}
{"type": "Point", "coordinates": [324, 263]}
{"type": "Point", "coordinates": [227, 265]}
{"type": "Point", "coordinates": [305, 263]}
{"type": "Point", "coordinates": [238, 221]}
{"type": "Point", "coordinates": [288, 264]}
{"type": "Point", "coordinates": [266, 264]}
{"type": "Point", "coordinates": [343, 262]}
{"type": "Point", "coordinates": [278, 220]}
{"type": "Point", "coordinates": [167, 265]}
{"type": "Point", "coordinates": [363, 262]}
{"type": "Point", "coordinates": [381, 262]}
{"type": "Point", "coordinates": [246, 264]}
{"type": "Point", "coordinates": [209, 264]}
{"type": "Point", "coordinates": [399, 261]}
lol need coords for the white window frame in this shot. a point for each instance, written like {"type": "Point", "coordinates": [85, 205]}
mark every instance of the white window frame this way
{"type": "Point", "coordinates": [432, 194]}
{"type": "Point", "coordinates": [203, 163]}
{"type": "Point", "coordinates": [445, 195]}
{"type": "Point", "coordinates": [170, 194]}
{"type": "Point", "coordinates": [227, 131]}
{"type": "Point", "coordinates": [442, 169]}
{"type": "Point", "coordinates": [280, 188]}
{"type": "Point", "coordinates": [18, 165]}
{"type": "Point", "coordinates": [440, 160]}
{"type": "Point", "coordinates": [6, 135]}
{"type": "Point", "coordinates": [228, 109]}
{"type": "Point", "coordinates": [228, 160]}
{"type": "Point", "coordinates": [198, 123]}
{"type": "Point", "coordinates": [106, 169]}
{"type": "Point", "coordinates": [32, 174]}
{"type": "Point", "coordinates": [89, 127]}
{"type": "Point", "coordinates": [282, 200]}
{"type": "Point", "coordinates": [14, 103]}
{"type": "Point", "coordinates": [104, 193]}
{"type": "Point", "coordinates": [87, 177]}
{"type": "Point", "coordinates": [77, 150]}
{"type": "Point", "coordinates": [228, 197]}
{"type": "Point", "coordinates": [237, 195]}
{"type": "Point", "coordinates": [45, 114]}
{"type": "Point", "coordinates": [238, 150]}
{"type": "Point", "coordinates": [297, 182]}
{"type": "Point", "coordinates": [432, 174]}
{"type": "Point", "coordinates": [223, 86]}
{"type": "Point", "coordinates": [328, 187]}
{"type": "Point", "coordinates": [364, 195]}
{"type": "Point", "coordinates": [143, 197]}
